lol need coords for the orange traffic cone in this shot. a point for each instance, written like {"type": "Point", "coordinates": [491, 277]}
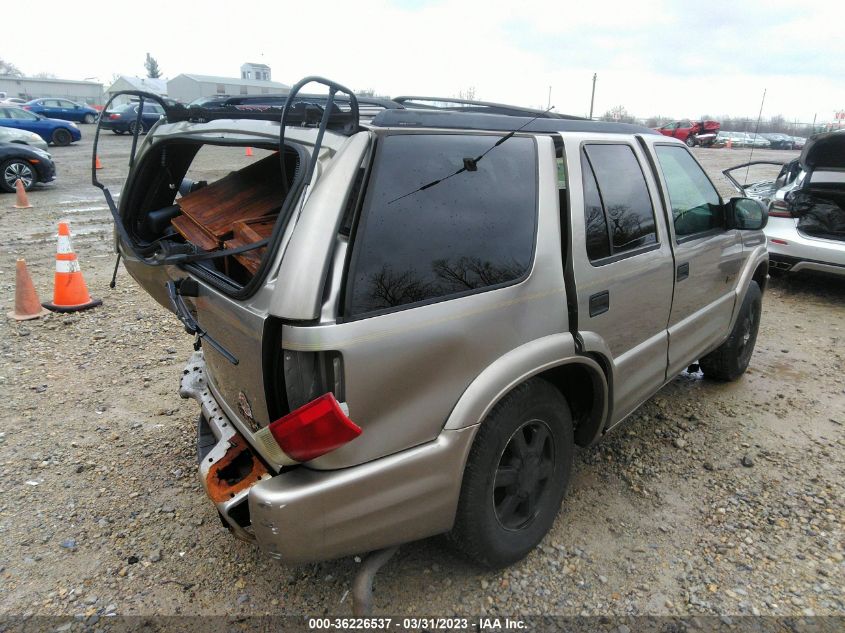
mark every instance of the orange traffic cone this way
{"type": "Point", "coordinates": [97, 163]}
{"type": "Point", "coordinates": [69, 290]}
{"type": "Point", "coordinates": [248, 151]}
{"type": "Point", "coordinates": [729, 144]}
{"type": "Point", "coordinates": [27, 305]}
{"type": "Point", "coordinates": [21, 201]}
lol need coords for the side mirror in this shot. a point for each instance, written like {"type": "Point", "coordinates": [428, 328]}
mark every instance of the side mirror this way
{"type": "Point", "coordinates": [747, 214]}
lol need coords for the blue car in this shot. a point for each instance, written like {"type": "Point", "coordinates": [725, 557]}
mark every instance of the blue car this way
{"type": "Point", "coordinates": [124, 118]}
{"type": "Point", "coordinates": [62, 109]}
{"type": "Point", "coordinates": [51, 130]}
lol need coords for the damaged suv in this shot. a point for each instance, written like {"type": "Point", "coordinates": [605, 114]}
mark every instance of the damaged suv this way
{"type": "Point", "coordinates": [406, 325]}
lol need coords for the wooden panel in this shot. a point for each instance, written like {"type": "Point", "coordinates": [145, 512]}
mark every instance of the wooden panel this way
{"type": "Point", "coordinates": [249, 193]}
{"type": "Point", "coordinates": [195, 234]}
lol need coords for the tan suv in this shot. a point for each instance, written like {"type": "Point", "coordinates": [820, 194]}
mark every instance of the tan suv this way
{"type": "Point", "coordinates": [406, 324]}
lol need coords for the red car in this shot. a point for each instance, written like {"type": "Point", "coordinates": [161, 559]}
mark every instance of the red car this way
{"type": "Point", "coordinates": [692, 132]}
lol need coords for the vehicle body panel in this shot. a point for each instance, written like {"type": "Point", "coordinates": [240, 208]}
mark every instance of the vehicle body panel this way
{"type": "Point", "coordinates": [23, 120]}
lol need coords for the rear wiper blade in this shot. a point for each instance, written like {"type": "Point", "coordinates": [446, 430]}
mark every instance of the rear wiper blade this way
{"type": "Point", "coordinates": [471, 164]}
{"type": "Point", "coordinates": [190, 288]}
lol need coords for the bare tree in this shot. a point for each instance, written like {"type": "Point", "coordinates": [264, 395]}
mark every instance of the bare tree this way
{"type": "Point", "coordinates": [8, 68]}
{"type": "Point", "coordinates": [618, 113]}
{"type": "Point", "coordinates": [468, 94]}
{"type": "Point", "coordinates": [44, 75]}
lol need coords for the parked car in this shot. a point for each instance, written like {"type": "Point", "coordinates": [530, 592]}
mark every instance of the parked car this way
{"type": "Point", "coordinates": [779, 141]}
{"type": "Point", "coordinates": [692, 132]}
{"type": "Point", "coordinates": [13, 101]}
{"type": "Point", "coordinates": [806, 202]}
{"type": "Point", "coordinates": [758, 140]}
{"type": "Point", "coordinates": [441, 327]}
{"type": "Point", "coordinates": [30, 165]}
{"type": "Point", "coordinates": [124, 118]}
{"type": "Point", "coordinates": [51, 130]}
{"type": "Point", "coordinates": [737, 139]}
{"type": "Point", "coordinates": [798, 142]}
{"type": "Point", "coordinates": [14, 135]}
{"type": "Point", "coordinates": [64, 109]}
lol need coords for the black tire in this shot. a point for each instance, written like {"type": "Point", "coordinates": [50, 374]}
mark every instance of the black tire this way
{"type": "Point", "coordinates": [133, 126]}
{"type": "Point", "coordinates": [516, 475]}
{"type": "Point", "coordinates": [13, 169]}
{"type": "Point", "coordinates": [61, 137]}
{"type": "Point", "coordinates": [89, 118]}
{"type": "Point", "coordinates": [690, 141]}
{"type": "Point", "coordinates": [730, 360]}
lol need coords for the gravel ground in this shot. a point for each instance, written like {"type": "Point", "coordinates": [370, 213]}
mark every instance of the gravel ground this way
{"type": "Point", "coordinates": [714, 499]}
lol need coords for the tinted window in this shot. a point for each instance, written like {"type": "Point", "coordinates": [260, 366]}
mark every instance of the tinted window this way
{"type": "Point", "coordinates": [696, 206]}
{"type": "Point", "coordinates": [598, 240]}
{"type": "Point", "coordinates": [624, 195]}
{"type": "Point", "coordinates": [470, 231]}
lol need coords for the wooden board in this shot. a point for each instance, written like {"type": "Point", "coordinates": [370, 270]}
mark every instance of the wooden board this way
{"type": "Point", "coordinates": [209, 214]}
{"type": "Point", "coordinates": [249, 232]}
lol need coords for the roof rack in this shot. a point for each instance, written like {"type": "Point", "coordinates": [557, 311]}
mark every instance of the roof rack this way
{"type": "Point", "coordinates": [480, 107]}
{"type": "Point", "coordinates": [448, 119]}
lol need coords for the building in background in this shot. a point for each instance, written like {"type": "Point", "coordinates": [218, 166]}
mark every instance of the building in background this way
{"type": "Point", "coordinates": [146, 84]}
{"type": "Point", "coordinates": [261, 72]}
{"type": "Point", "coordinates": [88, 92]}
{"type": "Point", "coordinates": [187, 87]}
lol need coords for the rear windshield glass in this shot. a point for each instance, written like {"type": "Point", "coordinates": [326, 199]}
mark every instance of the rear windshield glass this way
{"type": "Point", "coordinates": [471, 231]}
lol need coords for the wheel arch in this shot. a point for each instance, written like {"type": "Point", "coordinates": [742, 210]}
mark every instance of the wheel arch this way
{"type": "Point", "coordinates": [579, 378]}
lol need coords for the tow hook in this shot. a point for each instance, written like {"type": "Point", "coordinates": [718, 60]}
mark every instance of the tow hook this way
{"type": "Point", "coordinates": [362, 585]}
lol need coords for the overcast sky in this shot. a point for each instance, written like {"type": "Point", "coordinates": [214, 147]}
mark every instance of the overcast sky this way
{"type": "Point", "coordinates": [676, 59]}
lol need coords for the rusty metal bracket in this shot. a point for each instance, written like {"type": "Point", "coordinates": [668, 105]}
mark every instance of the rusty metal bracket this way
{"type": "Point", "coordinates": [362, 585]}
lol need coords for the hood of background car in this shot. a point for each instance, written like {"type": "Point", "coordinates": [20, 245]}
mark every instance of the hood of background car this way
{"type": "Point", "coordinates": [825, 151]}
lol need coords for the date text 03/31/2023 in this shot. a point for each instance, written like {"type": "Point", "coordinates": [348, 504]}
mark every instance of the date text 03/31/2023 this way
{"type": "Point", "coordinates": [417, 623]}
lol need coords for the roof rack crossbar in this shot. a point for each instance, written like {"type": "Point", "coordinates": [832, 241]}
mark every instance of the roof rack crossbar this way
{"type": "Point", "coordinates": [472, 105]}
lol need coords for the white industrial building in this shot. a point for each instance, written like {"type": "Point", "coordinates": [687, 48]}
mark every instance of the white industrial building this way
{"type": "Point", "coordinates": [88, 92]}
{"type": "Point", "coordinates": [187, 87]}
{"type": "Point", "coordinates": [145, 84]}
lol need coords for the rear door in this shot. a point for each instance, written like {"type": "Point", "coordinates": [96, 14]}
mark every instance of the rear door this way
{"type": "Point", "coordinates": [622, 265]}
{"type": "Point", "coordinates": [708, 256]}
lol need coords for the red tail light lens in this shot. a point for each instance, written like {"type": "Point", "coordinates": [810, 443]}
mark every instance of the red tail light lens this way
{"type": "Point", "coordinates": [314, 429]}
{"type": "Point", "coordinates": [114, 116]}
{"type": "Point", "coordinates": [27, 107]}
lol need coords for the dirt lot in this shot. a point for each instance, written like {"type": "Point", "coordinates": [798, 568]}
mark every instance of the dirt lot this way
{"type": "Point", "coordinates": [714, 499]}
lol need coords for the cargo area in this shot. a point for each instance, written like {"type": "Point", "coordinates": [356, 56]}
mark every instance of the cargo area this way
{"type": "Point", "coordinates": [210, 199]}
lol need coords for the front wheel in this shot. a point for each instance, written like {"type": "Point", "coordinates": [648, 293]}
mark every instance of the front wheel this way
{"type": "Point", "coordinates": [730, 360]}
{"type": "Point", "coordinates": [62, 137]}
{"type": "Point", "coordinates": [516, 475]}
{"type": "Point", "coordinates": [690, 141]}
{"type": "Point", "coordinates": [89, 118]}
{"type": "Point", "coordinates": [14, 170]}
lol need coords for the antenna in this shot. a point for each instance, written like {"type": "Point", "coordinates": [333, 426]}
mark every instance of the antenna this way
{"type": "Point", "coordinates": [757, 127]}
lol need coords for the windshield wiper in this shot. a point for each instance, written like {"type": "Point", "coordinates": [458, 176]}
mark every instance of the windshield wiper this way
{"type": "Point", "coordinates": [471, 164]}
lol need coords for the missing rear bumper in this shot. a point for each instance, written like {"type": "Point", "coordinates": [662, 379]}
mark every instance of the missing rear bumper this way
{"type": "Point", "coordinates": [228, 467]}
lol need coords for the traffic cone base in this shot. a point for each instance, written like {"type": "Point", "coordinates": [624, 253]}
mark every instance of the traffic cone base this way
{"type": "Point", "coordinates": [21, 200]}
{"type": "Point", "coordinates": [70, 294]}
{"type": "Point", "coordinates": [27, 305]}
{"type": "Point", "coordinates": [75, 308]}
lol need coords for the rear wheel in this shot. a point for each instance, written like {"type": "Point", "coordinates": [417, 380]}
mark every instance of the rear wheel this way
{"type": "Point", "coordinates": [15, 169]}
{"type": "Point", "coordinates": [61, 137]}
{"type": "Point", "coordinates": [730, 360]}
{"type": "Point", "coordinates": [133, 125]}
{"type": "Point", "coordinates": [690, 141]}
{"type": "Point", "coordinates": [516, 475]}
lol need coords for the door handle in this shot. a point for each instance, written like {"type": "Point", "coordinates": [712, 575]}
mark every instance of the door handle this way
{"type": "Point", "coordinates": [599, 303]}
{"type": "Point", "coordinates": [683, 272]}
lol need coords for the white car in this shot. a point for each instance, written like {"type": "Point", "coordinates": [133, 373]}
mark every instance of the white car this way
{"type": "Point", "coordinates": [806, 228]}
{"type": "Point", "coordinates": [25, 137]}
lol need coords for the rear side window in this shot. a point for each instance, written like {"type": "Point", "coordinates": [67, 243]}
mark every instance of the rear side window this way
{"type": "Point", "coordinates": [696, 206]}
{"type": "Point", "coordinates": [470, 231]}
{"type": "Point", "coordinates": [621, 188]}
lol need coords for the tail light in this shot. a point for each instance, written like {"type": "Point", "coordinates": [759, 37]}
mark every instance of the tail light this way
{"type": "Point", "coordinates": [310, 431]}
{"type": "Point", "coordinates": [114, 116]}
{"type": "Point", "coordinates": [26, 107]}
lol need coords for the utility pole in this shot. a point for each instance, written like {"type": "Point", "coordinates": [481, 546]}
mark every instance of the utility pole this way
{"type": "Point", "coordinates": [549, 104]}
{"type": "Point", "coordinates": [593, 96]}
